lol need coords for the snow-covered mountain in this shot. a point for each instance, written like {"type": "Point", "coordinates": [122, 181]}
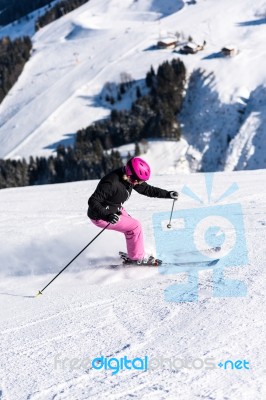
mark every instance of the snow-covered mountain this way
{"type": "Point", "coordinates": [93, 310]}
{"type": "Point", "coordinates": [74, 57]}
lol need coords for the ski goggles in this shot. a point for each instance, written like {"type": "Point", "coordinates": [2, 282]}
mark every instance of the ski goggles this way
{"type": "Point", "coordinates": [134, 180]}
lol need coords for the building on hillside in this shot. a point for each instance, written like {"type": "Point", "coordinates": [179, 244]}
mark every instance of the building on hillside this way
{"type": "Point", "coordinates": [229, 51]}
{"type": "Point", "coordinates": [192, 48]}
{"type": "Point", "coordinates": [167, 43]}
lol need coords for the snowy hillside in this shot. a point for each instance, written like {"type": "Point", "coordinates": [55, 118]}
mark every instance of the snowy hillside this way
{"type": "Point", "coordinates": [93, 310]}
{"type": "Point", "coordinates": [74, 57]}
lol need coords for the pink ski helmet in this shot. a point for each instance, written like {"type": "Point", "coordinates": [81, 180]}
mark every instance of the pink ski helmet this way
{"type": "Point", "coordinates": [138, 169]}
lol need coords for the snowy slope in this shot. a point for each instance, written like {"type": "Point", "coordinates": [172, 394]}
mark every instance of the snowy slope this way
{"type": "Point", "coordinates": [92, 310]}
{"type": "Point", "coordinates": [247, 149]}
{"type": "Point", "coordinates": [73, 58]}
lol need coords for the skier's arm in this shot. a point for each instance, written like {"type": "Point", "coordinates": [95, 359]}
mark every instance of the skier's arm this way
{"type": "Point", "coordinates": [152, 191]}
{"type": "Point", "coordinates": [96, 201]}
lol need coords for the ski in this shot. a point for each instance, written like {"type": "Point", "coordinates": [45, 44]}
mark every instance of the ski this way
{"type": "Point", "coordinates": [167, 267]}
{"type": "Point", "coordinates": [191, 264]}
{"type": "Point", "coordinates": [207, 251]}
{"type": "Point", "coordinates": [195, 263]}
{"type": "Point", "coordinates": [187, 264]}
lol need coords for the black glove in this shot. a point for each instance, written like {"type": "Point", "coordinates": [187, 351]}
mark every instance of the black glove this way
{"type": "Point", "coordinates": [173, 195]}
{"type": "Point", "coordinates": [112, 218]}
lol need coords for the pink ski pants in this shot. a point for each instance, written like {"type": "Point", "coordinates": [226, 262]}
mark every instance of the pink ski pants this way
{"type": "Point", "coordinates": [132, 230]}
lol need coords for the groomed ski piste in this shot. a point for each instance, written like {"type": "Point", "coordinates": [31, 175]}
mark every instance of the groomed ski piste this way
{"type": "Point", "coordinates": [92, 310]}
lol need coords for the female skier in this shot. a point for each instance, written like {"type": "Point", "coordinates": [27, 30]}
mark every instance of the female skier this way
{"type": "Point", "coordinates": [106, 205]}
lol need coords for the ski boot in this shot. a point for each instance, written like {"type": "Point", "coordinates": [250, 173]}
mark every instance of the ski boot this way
{"type": "Point", "coordinates": [149, 261]}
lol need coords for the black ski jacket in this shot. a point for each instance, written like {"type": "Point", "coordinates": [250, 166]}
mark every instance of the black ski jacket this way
{"type": "Point", "coordinates": [112, 191]}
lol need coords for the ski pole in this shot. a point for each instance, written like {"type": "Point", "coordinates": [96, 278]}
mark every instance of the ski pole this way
{"type": "Point", "coordinates": [40, 291]}
{"type": "Point", "coordinates": [169, 225]}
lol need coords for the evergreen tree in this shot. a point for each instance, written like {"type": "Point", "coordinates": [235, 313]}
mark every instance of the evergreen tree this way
{"type": "Point", "coordinates": [137, 150]}
{"type": "Point", "coordinates": [138, 92]}
{"type": "Point", "coordinates": [13, 56]}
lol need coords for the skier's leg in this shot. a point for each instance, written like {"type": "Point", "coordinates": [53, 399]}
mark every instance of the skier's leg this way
{"type": "Point", "coordinates": [134, 237]}
{"type": "Point", "coordinates": [132, 230]}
